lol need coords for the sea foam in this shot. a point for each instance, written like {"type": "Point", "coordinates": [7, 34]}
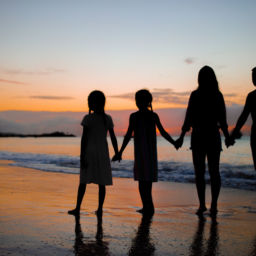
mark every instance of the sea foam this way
{"type": "Point", "coordinates": [234, 176]}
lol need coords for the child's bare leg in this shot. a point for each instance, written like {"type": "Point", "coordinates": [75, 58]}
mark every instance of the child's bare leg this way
{"type": "Point", "coordinates": [80, 196]}
{"type": "Point", "coordinates": [145, 189]}
{"type": "Point", "coordinates": [148, 198]}
{"type": "Point", "coordinates": [102, 193]}
{"type": "Point", "coordinates": [213, 164]}
{"type": "Point", "coordinates": [142, 195]}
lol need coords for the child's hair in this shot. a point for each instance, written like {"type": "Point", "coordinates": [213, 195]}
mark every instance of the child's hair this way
{"type": "Point", "coordinates": [144, 99]}
{"type": "Point", "coordinates": [96, 101]}
{"type": "Point", "coordinates": [207, 81]}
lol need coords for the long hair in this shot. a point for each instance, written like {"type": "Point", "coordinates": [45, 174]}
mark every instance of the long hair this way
{"type": "Point", "coordinates": [144, 99]}
{"type": "Point", "coordinates": [207, 81]}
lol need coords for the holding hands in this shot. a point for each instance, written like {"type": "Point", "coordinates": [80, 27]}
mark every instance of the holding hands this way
{"type": "Point", "coordinates": [117, 157]}
{"type": "Point", "coordinates": [179, 142]}
{"type": "Point", "coordinates": [231, 140]}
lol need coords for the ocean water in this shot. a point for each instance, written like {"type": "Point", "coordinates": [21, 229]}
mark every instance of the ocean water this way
{"type": "Point", "coordinates": [61, 155]}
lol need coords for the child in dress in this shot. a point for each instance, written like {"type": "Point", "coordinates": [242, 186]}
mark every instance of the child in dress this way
{"type": "Point", "coordinates": [94, 159]}
{"type": "Point", "coordinates": [143, 124]}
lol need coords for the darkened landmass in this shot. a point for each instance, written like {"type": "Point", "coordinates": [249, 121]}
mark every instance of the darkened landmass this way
{"type": "Point", "coordinates": [53, 134]}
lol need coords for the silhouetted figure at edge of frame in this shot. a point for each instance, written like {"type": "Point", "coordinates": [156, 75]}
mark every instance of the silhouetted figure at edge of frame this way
{"type": "Point", "coordinates": [197, 247]}
{"type": "Point", "coordinates": [97, 247]}
{"type": "Point", "coordinates": [142, 244]}
{"type": "Point", "coordinates": [249, 108]}
{"type": "Point", "coordinates": [206, 113]}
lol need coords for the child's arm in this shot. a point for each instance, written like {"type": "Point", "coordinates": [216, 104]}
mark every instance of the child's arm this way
{"type": "Point", "coordinates": [229, 141]}
{"type": "Point", "coordinates": [187, 122]}
{"type": "Point", "coordinates": [179, 141]}
{"type": "Point", "coordinates": [241, 120]}
{"type": "Point", "coordinates": [163, 132]}
{"type": "Point", "coordinates": [126, 140]}
{"type": "Point", "coordinates": [82, 151]}
{"type": "Point", "coordinates": [113, 140]}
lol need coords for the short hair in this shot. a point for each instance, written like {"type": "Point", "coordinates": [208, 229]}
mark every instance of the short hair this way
{"type": "Point", "coordinates": [96, 101]}
{"type": "Point", "coordinates": [254, 69]}
{"type": "Point", "coordinates": [144, 98]}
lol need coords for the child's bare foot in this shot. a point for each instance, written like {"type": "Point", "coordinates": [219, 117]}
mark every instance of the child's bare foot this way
{"type": "Point", "coordinates": [99, 213]}
{"type": "Point", "coordinates": [140, 211]}
{"type": "Point", "coordinates": [75, 212]}
{"type": "Point", "coordinates": [201, 210]}
{"type": "Point", "coordinates": [213, 211]}
{"type": "Point", "coordinates": [147, 211]}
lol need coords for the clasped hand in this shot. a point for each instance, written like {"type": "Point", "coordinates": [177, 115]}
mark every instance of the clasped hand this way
{"type": "Point", "coordinates": [117, 157]}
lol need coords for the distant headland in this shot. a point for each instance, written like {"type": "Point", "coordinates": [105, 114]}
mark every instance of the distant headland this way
{"type": "Point", "coordinates": [53, 134]}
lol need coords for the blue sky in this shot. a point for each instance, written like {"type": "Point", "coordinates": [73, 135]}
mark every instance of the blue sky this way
{"type": "Point", "coordinates": [59, 50]}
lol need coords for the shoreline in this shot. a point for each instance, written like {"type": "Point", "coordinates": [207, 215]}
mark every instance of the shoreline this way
{"type": "Point", "coordinates": [34, 219]}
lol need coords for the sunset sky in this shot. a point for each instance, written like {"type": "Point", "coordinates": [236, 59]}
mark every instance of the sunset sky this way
{"type": "Point", "coordinates": [53, 53]}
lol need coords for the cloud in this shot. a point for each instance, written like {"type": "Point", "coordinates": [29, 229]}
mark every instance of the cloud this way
{"type": "Point", "coordinates": [161, 95]}
{"type": "Point", "coordinates": [12, 82]}
{"type": "Point", "coordinates": [230, 95]}
{"type": "Point", "coordinates": [47, 71]}
{"type": "Point", "coordinates": [167, 95]}
{"type": "Point", "coordinates": [46, 97]}
{"type": "Point", "coordinates": [189, 60]}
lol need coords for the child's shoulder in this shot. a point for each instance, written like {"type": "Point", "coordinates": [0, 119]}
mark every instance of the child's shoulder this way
{"type": "Point", "coordinates": [85, 119]}
{"type": "Point", "coordinates": [252, 94]}
{"type": "Point", "coordinates": [108, 116]}
{"type": "Point", "coordinates": [138, 114]}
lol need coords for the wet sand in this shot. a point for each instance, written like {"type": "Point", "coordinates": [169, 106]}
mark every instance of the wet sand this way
{"type": "Point", "coordinates": [34, 219]}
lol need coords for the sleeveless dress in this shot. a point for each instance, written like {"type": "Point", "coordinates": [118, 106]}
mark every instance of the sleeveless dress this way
{"type": "Point", "coordinates": [145, 151]}
{"type": "Point", "coordinates": [97, 162]}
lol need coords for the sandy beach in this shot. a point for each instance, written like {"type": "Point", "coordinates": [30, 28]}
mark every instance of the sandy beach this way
{"type": "Point", "coordinates": [34, 219]}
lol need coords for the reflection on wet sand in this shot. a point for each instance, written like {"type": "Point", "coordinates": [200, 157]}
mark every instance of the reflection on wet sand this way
{"type": "Point", "coordinates": [142, 244]}
{"type": "Point", "coordinates": [253, 251]}
{"type": "Point", "coordinates": [197, 247]}
{"type": "Point", "coordinates": [97, 247]}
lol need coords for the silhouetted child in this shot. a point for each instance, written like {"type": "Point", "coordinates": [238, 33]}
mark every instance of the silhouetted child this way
{"type": "Point", "coordinates": [143, 124]}
{"type": "Point", "coordinates": [206, 113]}
{"type": "Point", "coordinates": [249, 108]}
{"type": "Point", "coordinates": [94, 159]}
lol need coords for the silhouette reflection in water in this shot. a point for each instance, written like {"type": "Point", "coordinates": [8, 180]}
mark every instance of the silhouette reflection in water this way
{"type": "Point", "coordinates": [198, 246]}
{"type": "Point", "coordinates": [97, 247]}
{"type": "Point", "coordinates": [142, 244]}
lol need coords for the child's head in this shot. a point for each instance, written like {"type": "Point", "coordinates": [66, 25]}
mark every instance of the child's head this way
{"type": "Point", "coordinates": [254, 76]}
{"type": "Point", "coordinates": [96, 101]}
{"type": "Point", "coordinates": [207, 80]}
{"type": "Point", "coordinates": [143, 99]}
